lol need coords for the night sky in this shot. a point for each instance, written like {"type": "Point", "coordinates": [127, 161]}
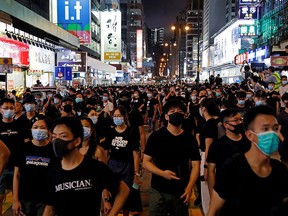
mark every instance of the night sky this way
{"type": "Point", "coordinates": [162, 13]}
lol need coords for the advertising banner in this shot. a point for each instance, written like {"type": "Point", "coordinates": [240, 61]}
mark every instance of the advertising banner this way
{"type": "Point", "coordinates": [111, 36]}
{"type": "Point", "coordinates": [248, 12]}
{"type": "Point", "coordinates": [75, 17]}
{"type": "Point", "coordinates": [248, 1]}
{"type": "Point", "coordinates": [279, 61]}
{"type": "Point", "coordinates": [139, 49]}
{"type": "Point", "coordinates": [63, 73]}
{"type": "Point", "coordinates": [41, 59]}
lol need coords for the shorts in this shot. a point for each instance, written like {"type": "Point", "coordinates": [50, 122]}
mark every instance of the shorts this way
{"type": "Point", "coordinates": [163, 204]}
{"type": "Point", "coordinates": [32, 208]}
{"type": "Point", "coordinates": [6, 181]}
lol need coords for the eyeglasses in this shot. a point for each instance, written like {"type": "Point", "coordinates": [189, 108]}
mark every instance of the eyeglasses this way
{"type": "Point", "coordinates": [236, 120]}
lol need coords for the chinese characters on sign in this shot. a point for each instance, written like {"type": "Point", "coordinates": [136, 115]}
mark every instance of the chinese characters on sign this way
{"type": "Point", "coordinates": [248, 30]}
{"type": "Point", "coordinates": [248, 12]}
{"type": "Point", "coordinates": [111, 36]}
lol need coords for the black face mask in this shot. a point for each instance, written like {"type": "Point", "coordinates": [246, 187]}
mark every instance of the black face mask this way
{"type": "Point", "coordinates": [60, 147]}
{"type": "Point", "coordinates": [237, 129]}
{"type": "Point", "coordinates": [176, 119]}
{"type": "Point", "coordinates": [67, 108]}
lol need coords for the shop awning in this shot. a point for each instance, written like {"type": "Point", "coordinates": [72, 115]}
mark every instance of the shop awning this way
{"type": "Point", "coordinates": [100, 66]}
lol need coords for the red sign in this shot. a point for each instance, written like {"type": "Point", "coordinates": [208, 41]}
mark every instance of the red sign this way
{"type": "Point", "coordinates": [279, 61]}
{"type": "Point", "coordinates": [16, 50]}
{"type": "Point", "coordinates": [240, 58]}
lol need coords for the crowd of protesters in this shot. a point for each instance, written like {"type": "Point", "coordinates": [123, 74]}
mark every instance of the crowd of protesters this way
{"type": "Point", "coordinates": [214, 138]}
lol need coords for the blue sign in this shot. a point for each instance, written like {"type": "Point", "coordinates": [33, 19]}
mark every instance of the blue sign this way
{"type": "Point", "coordinates": [248, 12]}
{"type": "Point", "coordinates": [63, 73]}
{"type": "Point", "coordinates": [75, 17]}
{"type": "Point", "coordinates": [259, 54]}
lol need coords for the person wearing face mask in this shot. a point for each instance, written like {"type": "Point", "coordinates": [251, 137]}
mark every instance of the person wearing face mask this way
{"type": "Point", "coordinates": [169, 153]}
{"type": "Point", "coordinates": [124, 157]}
{"type": "Point", "coordinates": [260, 98]}
{"type": "Point", "coordinates": [252, 181]}
{"type": "Point", "coordinates": [273, 97]}
{"type": "Point", "coordinates": [152, 107]}
{"type": "Point", "coordinates": [234, 141]}
{"type": "Point", "coordinates": [67, 105]}
{"type": "Point", "coordinates": [208, 134]}
{"type": "Point", "coordinates": [108, 106]}
{"type": "Point", "coordinates": [29, 104]}
{"type": "Point", "coordinates": [78, 180]}
{"type": "Point", "coordinates": [241, 105]}
{"type": "Point", "coordinates": [282, 90]}
{"type": "Point", "coordinates": [13, 135]}
{"type": "Point", "coordinates": [79, 104]}
{"type": "Point", "coordinates": [31, 166]}
{"type": "Point", "coordinates": [52, 106]}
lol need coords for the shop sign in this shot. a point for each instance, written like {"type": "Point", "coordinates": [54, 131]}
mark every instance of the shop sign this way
{"type": "Point", "coordinates": [248, 12]}
{"type": "Point", "coordinates": [31, 72]}
{"type": "Point", "coordinates": [76, 60]}
{"type": "Point", "coordinates": [258, 54]}
{"type": "Point", "coordinates": [247, 30]}
{"type": "Point", "coordinates": [111, 36]}
{"type": "Point", "coordinates": [16, 50]}
{"type": "Point", "coordinates": [63, 73]}
{"type": "Point", "coordinates": [75, 17]}
{"type": "Point", "coordinates": [248, 2]}
{"type": "Point", "coordinates": [41, 59]}
{"type": "Point", "coordinates": [6, 65]}
{"type": "Point", "coordinates": [240, 58]}
{"type": "Point", "coordinates": [279, 61]}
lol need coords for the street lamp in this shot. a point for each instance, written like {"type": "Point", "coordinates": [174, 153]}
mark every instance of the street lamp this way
{"type": "Point", "coordinates": [180, 28]}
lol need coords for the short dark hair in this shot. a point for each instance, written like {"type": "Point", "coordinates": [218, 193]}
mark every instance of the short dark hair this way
{"type": "Point", "coordinates": [67, 99]}
{"type": "Point", "coordinates": [261, 94]}
{"type": "Point", "coordinates": [246, 68]}
{"type": "Point", "coordinates": [174, 104]}
{"type": "Point", "coordinates": [252, 113]}
{"type": "Point", "coordinates": [73, 123]}
{"type": "Point", "coordinates": [7, 100]}
{"type": "Point", "coordinates": [211, 106]}
{"type": "Point", "coordinates": [271, 68]}
{"type": "Point", "coordinates": [286, 47]}
{"type": "Point", "coordinates": [241, 94]}
{"type": "Point", "coordinates": [227, 113]}
{"type": "Point", "coordinates": [41, 117]}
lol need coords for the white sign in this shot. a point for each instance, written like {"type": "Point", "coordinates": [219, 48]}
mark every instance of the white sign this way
{"type": "Point", "coordinates": [139, 44]}
{"type": "Point", "coordinates": [41, 59]}
{"type": "Point", "coordinates": [111, 36]}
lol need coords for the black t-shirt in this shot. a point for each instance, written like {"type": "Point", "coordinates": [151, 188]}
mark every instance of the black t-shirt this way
{"type": "Point", "coordinates": [172, 153]}
{"type": "Point", "coordinates": [241, 110]}
{"type": "Point", "coordinates": [78, 191]}
{"type": "Point", "coordinates": [245, 192]}
{"type": "Point", "coordinates": [13, 135]}
{"type": "Point", "coordinates": [150, 106]}
{"type": "Point", "coordinates": [272, 101]}
{"type": "Point", "coordinates": [136, 120]}
{"type": "Point", "coordinates": [283, 121]}
{"type": "Point", "coordinates": [209, 130]}
{"type": "Point", "coordinates": [225, 148]}
{"type": "Point", "coordinates": [33, 163]}
{"type": "Point", "coordinates": [122, 145]}
{"type": "Point", "coordinates": [103, 125]}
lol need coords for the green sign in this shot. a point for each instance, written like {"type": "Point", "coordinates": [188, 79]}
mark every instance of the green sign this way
{"type": "Point", "coordinates": [247, 30]}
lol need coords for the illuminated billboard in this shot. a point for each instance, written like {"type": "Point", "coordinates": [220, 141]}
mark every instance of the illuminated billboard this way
{"type": "Point", "coordinates": [111, 36]}
{"type": "Point", "coordinates": [248, 12]}
{"type": "Point", "coordinates": [139, 49]}
{"type": "Point", "coordinates": [248, 1]}
{"type": "Point", "coordinates": [75, 17]}
{"type": "Point", "coordinates": [247, 30]}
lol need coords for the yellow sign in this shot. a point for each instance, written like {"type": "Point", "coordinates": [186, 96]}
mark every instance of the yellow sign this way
{"type": "Point", "coordinates": [112, 56]}
{"type": "Point", "coordinates": [5, 61]}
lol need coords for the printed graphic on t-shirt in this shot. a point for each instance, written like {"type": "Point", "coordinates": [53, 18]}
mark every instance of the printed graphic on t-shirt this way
{"type": "Point", "coordinates": [37, 161]}
{"type": "Point", "coordinates": [9, 132]}
{"type": "Point", "coordinates": [74, 185]}
{"type": "Point", "coordinates": [119, 142]}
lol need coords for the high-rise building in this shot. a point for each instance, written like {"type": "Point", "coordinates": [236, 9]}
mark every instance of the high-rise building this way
{"type": "Point", "coordinates": [193, 37]}
{"type": "Point", "coordinates": [157, 35]}
{"type": "Point", "coordinates": [232, 7]}
{"type": "Point", "coordinates": [213, 20]}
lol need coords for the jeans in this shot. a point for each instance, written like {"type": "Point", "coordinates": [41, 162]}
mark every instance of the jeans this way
{"type": "Point", "coordinates": [6, 180]}
{"type": "Point", "coordinates": [151, 124]}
